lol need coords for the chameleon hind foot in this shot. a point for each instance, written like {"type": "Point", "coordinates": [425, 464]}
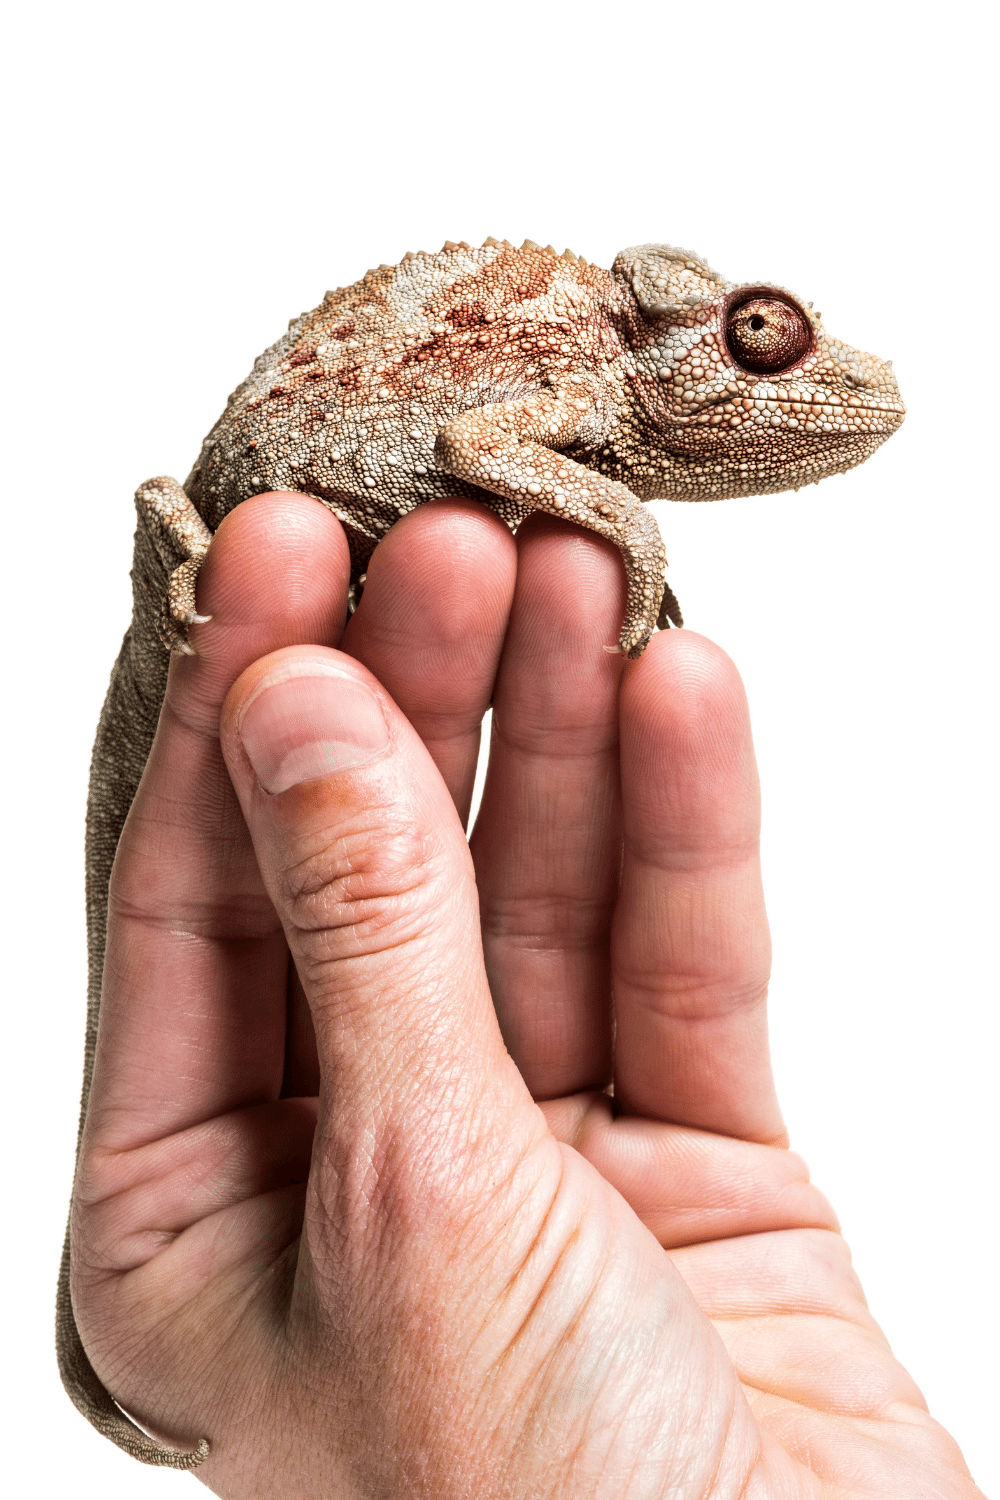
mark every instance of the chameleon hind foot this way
{"type": "Point", "coordinates": [181, 540]}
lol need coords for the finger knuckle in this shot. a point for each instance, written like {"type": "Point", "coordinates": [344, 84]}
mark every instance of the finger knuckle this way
{"type": "Point", "coordinates": [369, 888]}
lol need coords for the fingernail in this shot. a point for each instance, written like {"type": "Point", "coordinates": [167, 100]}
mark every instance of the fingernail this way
{"type": "Point", "coordinates": [307, 719]}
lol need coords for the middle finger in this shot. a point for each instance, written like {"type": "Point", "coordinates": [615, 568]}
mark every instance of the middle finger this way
{"type": "Point", "coordinates": [431, 625]}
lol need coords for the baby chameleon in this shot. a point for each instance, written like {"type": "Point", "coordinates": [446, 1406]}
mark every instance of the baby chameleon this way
{"type": "Point", "coordinates": [524, 379]}
{"type": "Point", "coordinates": [533, 381]}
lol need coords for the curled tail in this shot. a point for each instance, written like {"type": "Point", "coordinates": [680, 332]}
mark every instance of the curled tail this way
{"type": "Point", "coordinates": [124, 738]}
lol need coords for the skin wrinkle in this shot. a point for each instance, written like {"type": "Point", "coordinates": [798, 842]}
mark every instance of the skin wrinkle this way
{"type": "Point", "coordinates": [727, 852]}
{"type": "Point", "coordinates": [793, 1283]}
{"type": "Point", "coordinates": [225, 1134]}
{"type": "Point", "coordinates": [530, 1396]}
{"type": "Point", "coordinates": [325, 905]}
{"type": "Point", "coordinates": [210, 931]}
{"type": "Point", "coordinates": [228, 1170]}
{"type": "Point", "coordinates": [659, 999]}
{"type": "Point", "coordinates": [580, 922]}
{"type": "Point", "coordinates": [645, 977]}
{"type": "Point", "coordinates": [188, 723]}
{"type": "Point", "coordinates": [710, 1485]}
{"type": "Point", "coordinates": [799, 1401]}
{"type": "Point", "coordinates": [157, 1294]}
{"type": "Point", "coordinates": [387, 831]}
{"type": "Point", "coordinates": [113, 1157]}
{"type": "Point", "coordinates": [544, 748]}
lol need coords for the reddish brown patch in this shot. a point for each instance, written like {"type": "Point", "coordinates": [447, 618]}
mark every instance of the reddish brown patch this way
{"type": "Point", "coordinates": [467, 315]}
{"type": "Point", "coordinates": [302, 357]}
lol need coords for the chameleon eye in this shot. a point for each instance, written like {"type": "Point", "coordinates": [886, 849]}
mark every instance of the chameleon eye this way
{"type": "Point", "coordinates": [767, 335]}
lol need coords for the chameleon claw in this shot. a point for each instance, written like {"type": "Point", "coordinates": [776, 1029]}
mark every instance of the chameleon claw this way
{"type": "Point", "coordinates": [184, 648]}
{"type": "Point", "coordinates": [615, 650]}
{"type": "Point", "coordinates": [194, 619]}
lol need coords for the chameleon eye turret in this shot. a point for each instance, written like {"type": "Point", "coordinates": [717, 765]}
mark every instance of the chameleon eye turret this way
{"type": "Point", "coordinates": [767, 335]}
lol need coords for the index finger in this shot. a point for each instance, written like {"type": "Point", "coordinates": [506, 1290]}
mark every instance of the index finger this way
{"type": "Point", "coordinates": [690, 944]}
{"type": "Point", "coordinates": [194, 1010]}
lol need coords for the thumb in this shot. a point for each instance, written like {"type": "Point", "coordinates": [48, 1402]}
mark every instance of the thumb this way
{"type": "Point", "coordinates": [366, 862]}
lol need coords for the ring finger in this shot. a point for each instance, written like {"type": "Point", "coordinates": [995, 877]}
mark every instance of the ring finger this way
{"type": "Point", "coordinates": [547, 840]}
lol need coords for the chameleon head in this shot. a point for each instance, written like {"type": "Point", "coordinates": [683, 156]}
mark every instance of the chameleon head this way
{"type": "Point", "coordinates": [746, 390]}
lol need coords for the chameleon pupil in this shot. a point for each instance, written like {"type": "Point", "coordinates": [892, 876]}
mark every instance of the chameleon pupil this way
{"type": "Point", "coordinates": [756, 322]}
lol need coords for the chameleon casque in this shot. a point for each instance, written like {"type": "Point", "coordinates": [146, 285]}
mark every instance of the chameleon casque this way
{"type": "Point", "coordinates": [518, 377]}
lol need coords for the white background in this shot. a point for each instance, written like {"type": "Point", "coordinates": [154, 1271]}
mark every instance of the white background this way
{"type": "Point", "coordinates": [186, 177]}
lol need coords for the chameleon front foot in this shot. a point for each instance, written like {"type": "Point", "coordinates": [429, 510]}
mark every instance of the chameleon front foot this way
{"type": "Point", "coordinates": [649, 599]}
{"type": "Point", "coordinates": [670, 610]}
{"type": "Point", "coordinates": [354, 591]}
{"type": "Point", "coordinates": [178, 610]}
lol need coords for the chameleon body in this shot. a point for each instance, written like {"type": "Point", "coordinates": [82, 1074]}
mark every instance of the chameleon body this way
{"type": "Point", "coordinates": [517, 377]}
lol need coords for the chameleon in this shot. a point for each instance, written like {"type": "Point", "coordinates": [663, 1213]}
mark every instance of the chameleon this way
{"type": "Point", "coordinates": [518, 377]}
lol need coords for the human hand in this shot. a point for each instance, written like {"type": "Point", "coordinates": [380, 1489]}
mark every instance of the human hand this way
{"type": "Point", "coordinates": [319, 1216]}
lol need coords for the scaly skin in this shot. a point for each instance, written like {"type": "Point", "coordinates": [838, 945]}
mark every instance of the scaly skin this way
{"type": "Point", "coordinates": [533, 381]}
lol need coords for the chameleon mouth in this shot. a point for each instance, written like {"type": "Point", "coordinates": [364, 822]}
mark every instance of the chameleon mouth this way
{"type": "Point", "coordinates": [823, 411]}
